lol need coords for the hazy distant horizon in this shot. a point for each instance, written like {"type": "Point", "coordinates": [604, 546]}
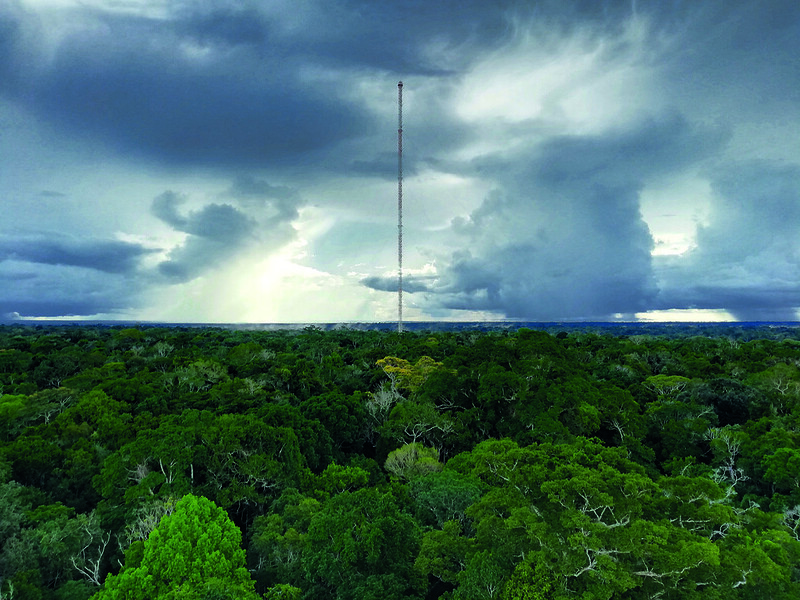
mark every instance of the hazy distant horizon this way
{"type": "Point", "coordinates": [407, 325]}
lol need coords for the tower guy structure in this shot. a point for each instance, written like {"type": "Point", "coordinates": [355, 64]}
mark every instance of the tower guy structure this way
{"type": "Point", "coordinates": [399, 206]}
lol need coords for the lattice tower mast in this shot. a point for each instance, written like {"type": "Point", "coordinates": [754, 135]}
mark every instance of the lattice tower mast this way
{"type": "Point", "coordinates": [400, 206]}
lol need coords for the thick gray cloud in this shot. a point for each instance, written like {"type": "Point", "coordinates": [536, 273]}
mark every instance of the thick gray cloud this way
{"type": "Point", "coordinates": [248, 187]}
{"type": "Point", "coordinates": [411, 284]}
{"type": "Point", "coordinates": [56, 291]}
{"type": "Point", "coordinates": [185, 89]}
{"type": "Point", "coordinates": [747, 258]}
{"type": "Point", "coordinates": [12, 53]}
{"type": "Point", "coordinates": [222, 83]}
{"type": "Point", "coordinates": [215, 232]}
{"type": "Point", "coordinates": [109, 256]}
{"type": "Point", "coordinates": [534, 135]}
{"type": "Point", "coordinates": [649, 148]}
{"type": "Point", "coordinates": [50, 274]}
{"type": "Point", "coordinates": [562, 237]}
{"type": "Point", "coordinates": [283, 201]}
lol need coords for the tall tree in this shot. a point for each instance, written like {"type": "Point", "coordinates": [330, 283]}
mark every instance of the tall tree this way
{"type": "Point", "coordinates": [194, 553]}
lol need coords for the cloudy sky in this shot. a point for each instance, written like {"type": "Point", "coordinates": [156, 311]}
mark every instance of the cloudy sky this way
{"type": "Point", "coordinates": [224, 160]}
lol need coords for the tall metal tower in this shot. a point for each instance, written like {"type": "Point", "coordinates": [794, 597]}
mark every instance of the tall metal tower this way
{"type": "Point", "coordinates": [399, 206]}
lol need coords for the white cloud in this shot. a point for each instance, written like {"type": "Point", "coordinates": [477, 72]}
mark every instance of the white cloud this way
{"type": "Point", "coordinates": [685, 315]}
{"type": "Point", "coordinates": [581, 83]}
{"type": "Point", "coordinates": [673, 208]}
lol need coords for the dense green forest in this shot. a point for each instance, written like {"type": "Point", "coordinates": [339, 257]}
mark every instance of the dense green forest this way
{"type": "Point", "coordinates": [209, 463]}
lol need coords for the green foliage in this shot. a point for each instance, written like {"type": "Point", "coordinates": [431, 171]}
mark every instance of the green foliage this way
{"type": "Point", "coordinates": [421, 422]}
{"type": "Point", "coordinates": [313, 439]}
{"type": "Point", "coordinates": [74, 590]}
{"type": "Point", "coordinates": [413, 460]}
{"type": "Point", "coordinates": [783, 468]}
{"type": "Point", "coordinates": [342, 417]}
{"type": "Point", "coordinates": [12, 509]}
{"type": "Point", "coordinates": [361, 540]}
{"type": "Point", "coordinates": [279, 539]}
{"type": "Point", "coordinates": [443, 496]}
{"type": "Point", "coordinates": [194, 553]}
{"type": "Point", "coordinates": [529, 582]}
{"type": "Point", "coordinates": [498, 488]}
{"type": "Point", "coordinates": [443, 553]}
{"type": "Point", "coordinates": [336, 479]}
{"type": "Point", "coordinates": [12, 408]}
{"type": "Point", "coordinates": [407, 376]}
{"type": "Point", "coordinates": [483, 578]}
{"type": "Point", "coordinates": [283, 591]}
{"type": "Point", "coordinates": [667, 386]}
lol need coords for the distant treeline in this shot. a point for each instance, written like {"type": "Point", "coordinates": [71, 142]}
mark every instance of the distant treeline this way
{"type": "Point", "coordinates": [354, 463]}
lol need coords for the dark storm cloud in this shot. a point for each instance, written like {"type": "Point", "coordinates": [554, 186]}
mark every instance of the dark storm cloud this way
{"type": "Point", "coordinates": [224, 25]}
{"type": "Point", "coordinates": [395, 35]}
{"type": "Point", "coordinates": [592, 271]}
{"type": "Point", "coordinates": [183, 114]}
{"type": "Point", "coordinates": [215, 233]}
{"type": "Point", "coordinates": [655, 146]}
{"type": "Point", "coordinates": [249, 187]}
{"type": "Point", "coordinates": [109, 256]}
{"type": "Point", "coordinates": [38, 289]}
{"type": "Point", "coordinates": [12, 53]}
{"type": "Point", "coordinates": [283, 201]}
{"type": "Point", "coordinates": [13, 277]}
{"type": "Point", "coordinates": [562, 236]}
{"type": "Point", "coordinates": [383, 166]}
{"type": "Point", "coordinates": [221, 84]}
{"type": "Point", "coordinates": [71, 306]}
{"type": "Point", "coordinates": [184, 89]}
{"type": "Point", "coordinates": [46, 296]}
{"type": "Point", "coordinates": [771, 302]}
{"type": "Point", "coordinates": [165, 207]}
{"type": "Point", "coordinates": [411, 283]}
{"type": "Point", "coordinates": [746, 258]}
{"type": "Point", "coordinates": [219, 223]}
{"type": "Point", "coordinates": [752, 52]}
